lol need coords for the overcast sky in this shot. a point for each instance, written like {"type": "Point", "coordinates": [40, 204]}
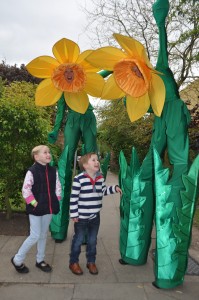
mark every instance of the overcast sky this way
{"type": "Point", "coordinates": [29, 28]}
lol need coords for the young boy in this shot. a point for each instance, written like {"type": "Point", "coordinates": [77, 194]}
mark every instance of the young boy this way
{"type": "Point", "coordinates": [42, 192]}
{"type": "Point", "coordinates": [85, 204]}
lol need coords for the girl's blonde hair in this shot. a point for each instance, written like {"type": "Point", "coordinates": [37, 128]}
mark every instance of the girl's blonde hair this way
{"type": "Point", "coordinates": [36, 150]}
{"type": "Point", "coordinates": [84, 159]}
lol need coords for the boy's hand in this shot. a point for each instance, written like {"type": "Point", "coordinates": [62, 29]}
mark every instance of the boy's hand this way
{"type": "Point", "coordinates": [75, 220]}
{"type": "Point", "coordinates": [118, 190]}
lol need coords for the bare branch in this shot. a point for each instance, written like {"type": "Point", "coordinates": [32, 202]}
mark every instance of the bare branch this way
{"type": "Point", "coordinates": [134, 18]}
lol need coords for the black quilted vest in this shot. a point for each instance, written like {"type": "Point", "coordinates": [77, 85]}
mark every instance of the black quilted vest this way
{"type": "Point", "coordinates": [43, 190]}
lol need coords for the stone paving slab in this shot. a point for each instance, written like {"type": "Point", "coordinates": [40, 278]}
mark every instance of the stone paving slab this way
{"type": "Point", "coordinates": [35, 291]}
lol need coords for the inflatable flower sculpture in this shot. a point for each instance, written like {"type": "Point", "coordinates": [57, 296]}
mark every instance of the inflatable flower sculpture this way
{"type": "Point", "coordinates": [67, 72]}
{"type": "Point", "coordinates": [133, 76]}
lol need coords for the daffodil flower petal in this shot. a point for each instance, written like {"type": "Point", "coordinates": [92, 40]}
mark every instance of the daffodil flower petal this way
{"type": "Point", "coordinates": [146, 59]}
{"type": "Point", "coordinates": [111, 90]}
{"type": "Point", "coordinates": [94, 84]}
{"type": "Point", "coordinates": [106, 57]}
{"type": "Point", "coordinates": [130, 45]}
{"type": "Point", "coordinates": [78, 102]}
{"type": "Point", "coordinates": [133, 48]}
{"type": "Point", "coordinates": [42, 66]}
{"type": "Point", "coordinates": [46, 94]}
{"type": "Point", "coordinates": [66, 51]}
{"type": "Point", "coordinates": [157, 94]}
{"type": "Point", "coordinates": [137, 107]}
{"type": "Point", "coordinates": [86, 65]}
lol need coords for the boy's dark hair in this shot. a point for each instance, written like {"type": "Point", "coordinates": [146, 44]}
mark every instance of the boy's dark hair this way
{"type": "Point", "coordinates": [84, 159]}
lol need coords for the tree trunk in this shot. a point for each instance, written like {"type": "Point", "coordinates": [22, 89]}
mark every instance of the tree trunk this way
{"type": "Point", "coordinates": [8, 207]}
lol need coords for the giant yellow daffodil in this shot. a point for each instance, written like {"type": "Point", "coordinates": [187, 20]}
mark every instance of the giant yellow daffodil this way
{"type": "Point", "coordinates": [67, 72]}
{"type": "Point", "coordinates": [133, 76]}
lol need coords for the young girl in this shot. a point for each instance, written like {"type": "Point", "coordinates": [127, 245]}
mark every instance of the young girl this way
{"type": "Point", "coordinates": [42, 192]}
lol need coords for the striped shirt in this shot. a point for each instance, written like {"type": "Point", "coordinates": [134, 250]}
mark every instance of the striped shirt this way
{"type": "Point", "coordinates": [86, 195]}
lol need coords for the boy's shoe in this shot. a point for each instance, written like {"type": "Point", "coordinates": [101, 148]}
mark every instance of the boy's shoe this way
{"type": "Point", "coordinates": [92, 268]}
{"type": "Point", "coordinates": [75, 268]}
{"type": "Point", "coordinates": [20, 269]}
{"type": "Point", "coordinates": [43, 266]}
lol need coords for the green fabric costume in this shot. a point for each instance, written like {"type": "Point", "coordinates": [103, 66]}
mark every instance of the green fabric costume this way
{"type": "Point", "coordinates": [150, 191]}
{"type": "Point", "coordinates": [78, 126]}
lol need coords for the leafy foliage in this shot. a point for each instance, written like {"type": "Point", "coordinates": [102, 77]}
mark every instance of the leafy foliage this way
{"type": "Point", "coordinates": [22, 126]}
{"type": "Point", "coordinates": [13, 73]}
{"type": "Point", "coordinates": [118, 133]}
{"type": "Point", "coordinates": [194, 129]}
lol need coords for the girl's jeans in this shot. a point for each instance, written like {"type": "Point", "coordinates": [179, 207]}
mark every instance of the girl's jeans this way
{"type": "Point", "coordinates": [89, 228]}
{"type": "Point", "coordinates": [39, 226]}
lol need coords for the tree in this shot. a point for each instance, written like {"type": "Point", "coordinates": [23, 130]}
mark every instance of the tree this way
{"type": "Point", "coordinates": [22, 126]}
{"type": "Point", "coordinates": [13, 73]}
{"type": "Point", "coordinates": [2, 83]}
{"type": "Point", "coordinates": [190, 96]}
{"type": "Point", "coordinates": [194, 131]}
{"type": "Point", "coordinates": [134, 18]}
{"type": "Point", "coordinates": [117, 132]}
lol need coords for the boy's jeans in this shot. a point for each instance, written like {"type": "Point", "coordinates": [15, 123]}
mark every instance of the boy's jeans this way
{"type": "Point", "coordinates": [82, 228]}
{"type": "Point", "coordinates": [39, 226]}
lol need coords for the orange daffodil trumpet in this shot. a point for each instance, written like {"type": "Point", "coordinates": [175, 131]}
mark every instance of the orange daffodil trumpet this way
{"type": "Point", "coordinates": [67, 72]}
{"type": "Point", "coordinates": [133, 76]}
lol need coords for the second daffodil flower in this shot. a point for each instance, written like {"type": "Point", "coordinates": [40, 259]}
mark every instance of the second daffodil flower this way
{"type": "Point", "coordinates": [133, 76]}
{"type": "Point", "coordinates": [67, 72]}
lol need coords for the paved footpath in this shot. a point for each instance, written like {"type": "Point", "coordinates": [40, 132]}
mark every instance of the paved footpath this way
{"type": "Point", "coordinates": [114, 280]}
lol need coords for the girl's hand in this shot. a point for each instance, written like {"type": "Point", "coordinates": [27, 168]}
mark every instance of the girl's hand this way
{"type": "Point", "coordinates": [75, 220]}
{"type": "Point", "coordinates": [35, 205]}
